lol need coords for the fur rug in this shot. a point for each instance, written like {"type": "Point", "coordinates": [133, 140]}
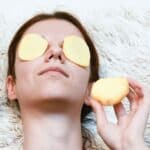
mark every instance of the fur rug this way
{"type": "Point", "coordinates": [121, 34]}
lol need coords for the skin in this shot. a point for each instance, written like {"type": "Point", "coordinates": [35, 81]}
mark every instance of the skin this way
{"type": "Point", "coordinates": [51, 104]}
{"type": "Point", "coordinates": [128, 133]}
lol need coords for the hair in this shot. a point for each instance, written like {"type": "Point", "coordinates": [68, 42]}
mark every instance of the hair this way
{"type": "Point", "coordinates": [94, 61]}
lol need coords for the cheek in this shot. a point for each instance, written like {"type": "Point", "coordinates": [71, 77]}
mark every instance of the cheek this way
{"type": "Point", "coordinates": [23, 78]}
{"type": "Point", "coordinates": [80, 78]}
{"type": "Point", "coordinates": [80, 82]}
{"type": "Point", "coordinates": [23, 71]}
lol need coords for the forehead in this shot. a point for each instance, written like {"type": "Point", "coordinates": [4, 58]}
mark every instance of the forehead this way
{"type": "Point", "coordinates": [54, 29]}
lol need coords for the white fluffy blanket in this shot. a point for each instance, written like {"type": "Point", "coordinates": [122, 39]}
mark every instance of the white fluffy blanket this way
{"type": "Point", "coordinates": [121, 33]}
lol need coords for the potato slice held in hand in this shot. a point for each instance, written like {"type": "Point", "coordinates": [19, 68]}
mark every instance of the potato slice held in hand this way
{"type": "Point", "coordinates": [110, 91]}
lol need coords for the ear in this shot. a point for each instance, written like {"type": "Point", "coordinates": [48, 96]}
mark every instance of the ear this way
{"type": "Point", "coordinates": [11, 88]}
{"type": "Point", "coordinates": [88, 94]}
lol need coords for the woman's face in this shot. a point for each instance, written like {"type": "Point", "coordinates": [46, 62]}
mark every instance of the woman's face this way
{"type": "Point", "coordinates": [33, 88]}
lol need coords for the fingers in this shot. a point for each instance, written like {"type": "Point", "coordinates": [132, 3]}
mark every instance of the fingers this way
{"type": "Point", "coordinates": [99, 110]}
{"type": "Point", "coordinates": [120, 113]}
{"type": "Point", "coordinates": [139, 108]}
{"type": "Point", "coordinates": [135, 94]}
{"type": "Point", "coordinates": [133, 97]}
{"type": "Point", "coordinates": [134, 100]}
{"type": "Point", "coordinates": [138, 95]}
{"type": "Point", "coordinates": [100, 113]}
{"type": "Point", "coordinates": [136, 87]}
{"type": "Point", "coordinates": [134, 83]}
{"type": "Point", "coordinates": [141, 113]}
{"type": "Point", "coordinates": [140, 119]}
{"type": "Point", "coordinates": [109, 132]}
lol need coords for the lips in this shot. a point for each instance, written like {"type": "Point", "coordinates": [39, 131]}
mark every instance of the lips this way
{"type": "Point", "coordinates": [54, 69]}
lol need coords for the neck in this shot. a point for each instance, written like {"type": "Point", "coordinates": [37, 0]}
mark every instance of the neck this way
{"type": "Point", "coordinates": [51, 130]}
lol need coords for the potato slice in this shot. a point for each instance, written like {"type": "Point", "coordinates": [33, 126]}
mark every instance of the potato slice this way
{"type": "Point", "coordinates": [110, 91]}
{"type": "Point", "coordinates": [31, 46]}
{"type": "Point", "coordinates": [76, 50]}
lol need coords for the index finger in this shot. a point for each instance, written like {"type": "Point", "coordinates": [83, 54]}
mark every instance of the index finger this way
{"type": "Point", "coordinates": [136, 87]}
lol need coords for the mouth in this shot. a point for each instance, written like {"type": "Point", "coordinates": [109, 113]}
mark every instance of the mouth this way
{"type": "Point", "coordinates": [54, 70]}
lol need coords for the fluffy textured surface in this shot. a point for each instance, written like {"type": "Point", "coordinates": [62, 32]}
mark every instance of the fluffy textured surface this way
{"type": "Point", "coordinates": [121, 35]}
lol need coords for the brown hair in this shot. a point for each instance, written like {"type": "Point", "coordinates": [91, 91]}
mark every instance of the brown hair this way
{"type": "Point", "coordinates": [94, 62]}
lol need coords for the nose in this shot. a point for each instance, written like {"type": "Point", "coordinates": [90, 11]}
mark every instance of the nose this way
{"type": "Point", "coordinates": [54, 52]}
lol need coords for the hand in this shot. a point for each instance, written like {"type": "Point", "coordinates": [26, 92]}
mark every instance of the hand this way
{"type": "Point", "coordinates": [129, 130]}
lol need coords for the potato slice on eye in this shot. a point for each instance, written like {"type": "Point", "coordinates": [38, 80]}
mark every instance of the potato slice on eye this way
{"type": "Point", "coordinates": [76, 50]}
{"type": "Point", "coordinates": [31, 46]}
{"type": "Point", "coordinates": [110, 91]}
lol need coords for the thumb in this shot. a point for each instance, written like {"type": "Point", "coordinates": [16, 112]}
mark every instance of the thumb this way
{"type": "Point", "coordinates": [98, 108]}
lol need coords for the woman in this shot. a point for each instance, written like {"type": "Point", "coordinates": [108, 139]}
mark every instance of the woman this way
{"type": "Point", "coordinates": [54, 93]}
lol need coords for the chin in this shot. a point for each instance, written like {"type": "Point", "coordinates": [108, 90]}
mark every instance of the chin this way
{"type": "Point", "coordinates": [54, 93]}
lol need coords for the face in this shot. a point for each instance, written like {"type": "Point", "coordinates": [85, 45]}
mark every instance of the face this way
{"type": "Point", "coordinates": [51, 76]}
